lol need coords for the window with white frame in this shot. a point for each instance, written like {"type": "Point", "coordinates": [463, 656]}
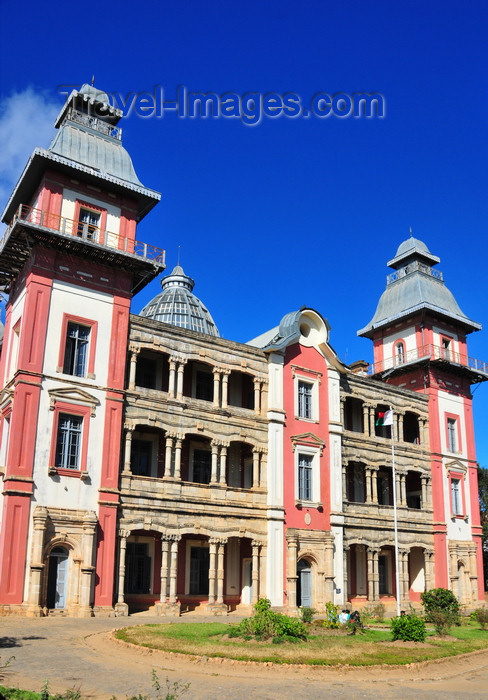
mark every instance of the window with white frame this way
{"type": "Point", "coordinates": [88, 223]}
{"type": "Point", "coordinates": [306, 398]}
{"type": "Point", "coordinates": [307, 473]}
{"type": "Point", "coordinates": [76, 349]}
{"type": "Point", "coordinates": [305, 406]}
{"type": "Point", "coordinates": [305, 477]}
{"type": "Point", "coordinates": [452, 442]}
{"type": "Point", "coordinates": [68, 441]}
{"type": "Point", "coordinates": [456, 497]}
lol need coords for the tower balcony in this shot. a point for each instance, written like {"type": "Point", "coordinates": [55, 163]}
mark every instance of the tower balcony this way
{"type": "Point", "coordinates": [31, 226]}
{"type": "Point", "coordinates": [445, 358]}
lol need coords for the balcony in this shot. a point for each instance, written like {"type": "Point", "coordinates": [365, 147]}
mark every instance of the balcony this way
{"type": "Point", "coordinates": [432, 353]}
{"type": "Point", "coordinates": [32, 226]}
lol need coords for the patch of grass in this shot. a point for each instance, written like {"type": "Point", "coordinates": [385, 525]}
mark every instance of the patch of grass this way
{"type": "Point", "coordinates": [16, 694]}
{"type": "Point", "coordinates": [322, 648]}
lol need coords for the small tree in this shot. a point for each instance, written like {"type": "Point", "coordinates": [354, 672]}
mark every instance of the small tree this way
{"type": "Point", "coordinates": [441, 608]}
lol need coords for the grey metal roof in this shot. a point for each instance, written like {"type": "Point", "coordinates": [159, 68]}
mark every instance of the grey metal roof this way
{"type": "Point", "coordinates": [84, 146]}
{"type": "Point", "coordinates": [177, 305]}
{"type": "Point", "coordinates": [415, 286]}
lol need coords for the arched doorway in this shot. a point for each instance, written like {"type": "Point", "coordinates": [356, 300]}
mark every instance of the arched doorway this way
{"type": "Point", "coordinates": [304, 584]}
{"type": "Point", "coordinates": [57, 579]}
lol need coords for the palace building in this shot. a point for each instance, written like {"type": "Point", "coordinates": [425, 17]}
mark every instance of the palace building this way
{"type": "Point", "coordinates": [148, 463]}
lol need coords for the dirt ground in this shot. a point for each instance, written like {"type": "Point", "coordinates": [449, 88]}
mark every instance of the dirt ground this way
{"type": "Point", "coordinates": [82, 654]}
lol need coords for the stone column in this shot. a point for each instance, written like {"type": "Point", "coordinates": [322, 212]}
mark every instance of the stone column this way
{"type": "Point", "coordinates": [225, 388]}
{"type": "Point", "coordinates": [329, 569]}
{"type": "Point", "coordinates": [178, 444]}
{"type": "Point", "coordinates": [368, 485]}
{"type": "Point", "coordinates": [36, 568]}
{"type": "Point", "coordinates": [255, 468]}
{"type": "Point", "coordinates": [173, 571]}
{"type": "Point", "coordinates": [473, 573]}
{"type": "Point", "coordinates": [403, 489]}
{"type": "Point", "coordinates": [121, 607]}
{"type": "Point", "coordinates": [216, 387]}
{"type": "Point", "coordinates": [396, 486]}
{"type": "Point", "coordinates": [172, 378]}
{"type": "Point", "coordinates": [215, 457]}
{"type": "Point", "coordinates": [134, 352]}
{"type": "Point", "coordinates": [367, 420]}
{"type": "Point", "coordinates": [345, 553]}
{"type": "Point", "coordinates": [403, 561]}
{"type": "Point", "coordinates": [429, 569]}
{"type": "Point", "coordinates": [291, 576]}
{"type": "Point", "coordinates": [424, 433]}
{"type": "Point", "coordinates": [343, 403]}
{"type": "Point", "coordinates": [370, 586]}
{"type": "Point", "coordinates": [374, 484]}
{"type": "Point", "coordinates": [87, 566]}
{"type": "Point", "coordinates": [164, 569]}
{"type": "Point", "coordinates": [179, 379]}
{"type": "Point", "coordinates": [127, 452]}
{"type": "Point", "coordinates": [223, 463]}
{"type": "Point", "coordinates": [257, 396]}
{"type": "Point", "coordinates": [168, 455]}
{"type": "Point", "coordinates": [399, 436]}
{"type": "Point", "coordinates": [255, 571]}
{"type": "Point", "coordinates": [212, 571]}
{"type": "Point", "coordinates": [344, 482]}
{"type": "Point", "coordinates": [423, 481]}
{"type": "Point", "coordinates": [220, 572]}
{"type": "Point", "coordinates": [262, 475]}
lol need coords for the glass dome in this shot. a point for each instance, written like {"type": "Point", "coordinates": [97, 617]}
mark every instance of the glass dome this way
{"type": "Point", "coordinates": [177, 305]}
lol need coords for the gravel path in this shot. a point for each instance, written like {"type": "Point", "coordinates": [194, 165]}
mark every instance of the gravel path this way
{"type": "Point", "coordinates": [81, 654]}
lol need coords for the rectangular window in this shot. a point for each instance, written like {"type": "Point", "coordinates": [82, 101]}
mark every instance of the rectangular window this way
{"type": "Point", "coordinates": [141, 457]}
{"type": "Point", "coordinates": [76, 349]}
{"type": "Point", "coordinates": [202, 465]}
{"type": "Point", "coordinates": [456, 498]}
{"type": "Point", "coordinates": [451, 435]}
{"type": "Point", "coordinates": [204, 385]}
{"type": "Point", "coordinates": [88, 223]}
{"type": "Point", "coordinates": [305, 466]}
{"type": "Point", "coordinates": [305, 406]}
{"type": "Point", "coordinates": [199, 566]}
{"type": "Point", "coordinates": [68, 441]}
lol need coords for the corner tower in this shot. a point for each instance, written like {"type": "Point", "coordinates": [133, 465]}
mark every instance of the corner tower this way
{"type": "Point", "coordinates": [70, 262]}
{"type": "Point", "coordinates": [419, 334]}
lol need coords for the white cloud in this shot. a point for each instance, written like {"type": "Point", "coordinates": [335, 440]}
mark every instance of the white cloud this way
{"type": "Point", "coordinates": [26, 121]}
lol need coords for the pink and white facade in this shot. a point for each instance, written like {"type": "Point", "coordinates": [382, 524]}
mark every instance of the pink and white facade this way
{"type": "Point", "coordinates": [146, 464]}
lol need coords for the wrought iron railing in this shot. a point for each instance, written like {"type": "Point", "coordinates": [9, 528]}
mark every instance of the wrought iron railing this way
{"type": "Point", "coordinates": [95, 123]}
{"type": "Point", "coordinates": [414, 266]}
{"type": "Point", "coordinates": [84, 231]}
{"type": "Point", "coordinates": [429, 352]}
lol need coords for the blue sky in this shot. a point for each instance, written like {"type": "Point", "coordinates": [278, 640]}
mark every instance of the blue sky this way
{"type": "Point", "coordinates": [291, 211]}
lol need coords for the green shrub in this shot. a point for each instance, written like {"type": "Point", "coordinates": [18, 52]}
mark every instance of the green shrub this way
{"type": "Point", "coordinates": [266, 624]}
{"type": "Point", "coordinates": [481, 616]}
{"type": "Point", "coordinates": [408, 628]}
{"type": "Point", "coordinates": [307, 614]}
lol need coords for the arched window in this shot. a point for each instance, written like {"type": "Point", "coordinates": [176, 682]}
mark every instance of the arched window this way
{"type": "Point", "coordinates": [400, 353]}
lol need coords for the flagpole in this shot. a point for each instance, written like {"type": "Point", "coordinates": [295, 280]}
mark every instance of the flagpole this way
{"type": "Point", "coordinates": [395, 519]}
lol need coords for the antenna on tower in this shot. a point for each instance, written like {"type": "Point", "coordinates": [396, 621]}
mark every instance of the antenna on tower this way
{"type": "Point", "coordinates": [179, 250]}
{"type": "Point", "coordinates": [411, 232]}
{"type": "Point", "coordinates": [93, 80]}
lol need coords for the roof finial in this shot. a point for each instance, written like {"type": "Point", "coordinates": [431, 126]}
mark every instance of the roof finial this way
{"type": "Point", "coordinates": [93, 80]}
{"type": "Point", "coordinates": [411, 232]}
{"type": "Point", "coordinates": [179, 250]}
